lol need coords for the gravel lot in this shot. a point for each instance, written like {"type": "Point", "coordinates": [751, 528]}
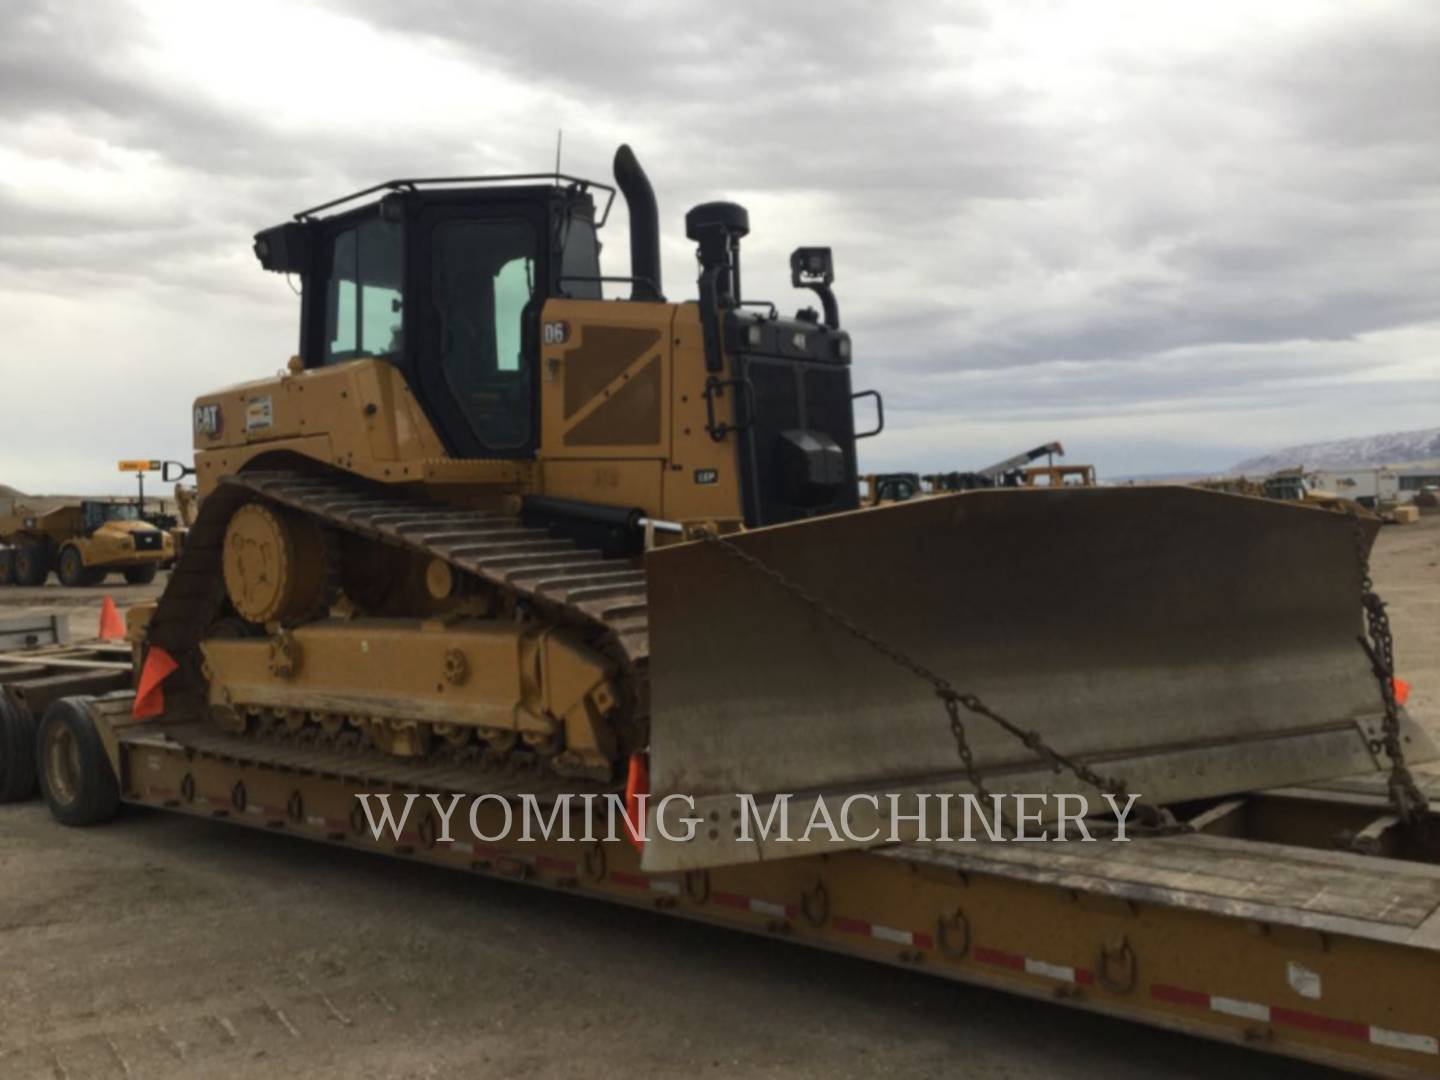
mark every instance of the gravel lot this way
{"type": "Point", "coordinates": [167, 947]}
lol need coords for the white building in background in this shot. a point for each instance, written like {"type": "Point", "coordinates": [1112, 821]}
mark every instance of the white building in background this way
{"type": "Point", "coordinates": [1377, 483]}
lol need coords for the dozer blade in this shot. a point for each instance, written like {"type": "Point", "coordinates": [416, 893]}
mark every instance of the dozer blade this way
{"type": "Point", "coordinates": [1188, 643]}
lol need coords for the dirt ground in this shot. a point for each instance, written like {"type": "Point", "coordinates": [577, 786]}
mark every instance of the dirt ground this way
{"type": "Point", "coordinates": [166, 947]}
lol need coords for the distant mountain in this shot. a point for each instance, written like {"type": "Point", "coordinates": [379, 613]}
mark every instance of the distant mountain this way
{"type": "Point", "coordinates": [1389, 449]}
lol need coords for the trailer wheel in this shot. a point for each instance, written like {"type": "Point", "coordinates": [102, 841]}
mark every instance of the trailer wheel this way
{"type": "Point", "coordinates": [75, 774]}
{"type": "Point", "coordinates": [17, 752]}
{"type": "Point", "coordinates": [141, 575]}
{"type": "Point", "coordinates": [73, 571]}
{"type": "Point", "coordinates": [32, 563]}
{"type": "Point", "coordinates": [7, 564]}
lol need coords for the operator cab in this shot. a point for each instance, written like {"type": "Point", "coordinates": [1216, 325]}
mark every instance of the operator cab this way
{"type": "Point", "coordinates": [447, 279]}
{"type": "Point", "coordinates": [446, 283]}
{"type": "Point", "coordinates": [94, 514]}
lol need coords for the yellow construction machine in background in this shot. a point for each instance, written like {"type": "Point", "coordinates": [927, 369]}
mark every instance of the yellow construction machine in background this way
{"type": "Point", "coordinates": [880, 488]}
{"type": "Point", "coordinates": [81, 542]}
{"type": "Point", "coordinates": [1058, 476]}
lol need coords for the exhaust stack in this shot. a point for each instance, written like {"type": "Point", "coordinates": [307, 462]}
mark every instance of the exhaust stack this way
{"type": "Point", "coordinates": [644, 225]}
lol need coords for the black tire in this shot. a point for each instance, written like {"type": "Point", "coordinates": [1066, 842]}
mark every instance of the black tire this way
{"type": "Point", "coordinates": [17, 752]}
{"type": "Point", "coordinates": [141, 575]}
{"type": "Point", "coordinates": [32, 563]}
{"type": "Point", "coordinates": [7, 565]}
{"type": "Point", "coordinates": [72, 571]}
{"type": "Point", "coordinates": [74, 771]}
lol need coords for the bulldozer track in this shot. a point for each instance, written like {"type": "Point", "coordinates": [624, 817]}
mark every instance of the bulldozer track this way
{"type": "Point", "coordinates": [557, 578]}
{"type": "Point", "coordinates": [563, 579]}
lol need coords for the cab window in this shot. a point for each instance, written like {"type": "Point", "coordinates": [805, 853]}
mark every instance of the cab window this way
{"type": "Point", "coordinates": [483, 279]}
{"type": "Point", "coordinates": [580, 259]}
{"type": "Point", "coordinates": [364, 303]}
{"type": "Point", "coordinates": [96, 514]}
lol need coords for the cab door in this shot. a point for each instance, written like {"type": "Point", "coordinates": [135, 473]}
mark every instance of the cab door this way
{"type": "Point", "coordinates": [480, 274]}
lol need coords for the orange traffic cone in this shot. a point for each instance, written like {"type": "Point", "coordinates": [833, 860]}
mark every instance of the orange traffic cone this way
{"type": "Point", "coordinates": [150, 695]}
{"type": "Point", "coordinates": [112, 626]}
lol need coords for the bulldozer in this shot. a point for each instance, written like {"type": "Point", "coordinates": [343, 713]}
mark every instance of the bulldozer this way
{"type": "Point", "coordinates": [82, 542]}
{"type": "Point", "coordinates": [487, 514]}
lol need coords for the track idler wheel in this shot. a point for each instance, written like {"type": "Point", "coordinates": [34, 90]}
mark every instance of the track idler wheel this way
{"type": "Point", "coordinates": [276, 564]}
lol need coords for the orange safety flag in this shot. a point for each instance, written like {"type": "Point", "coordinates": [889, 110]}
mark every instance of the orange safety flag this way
{"type": "Point", "coordinates": [150, 696]}
{"type": "Point", "coordinates": [1402, 690]}
{"type": "Point", "coordinates": [637, 784]}
{"type": "Point", "coordinates": [112, 626]}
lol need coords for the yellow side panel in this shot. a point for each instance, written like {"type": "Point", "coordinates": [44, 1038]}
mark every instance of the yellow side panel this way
{"type": "Point", "coordinates": [622, 407]}
{"type": "Point", "coordinates": [702, 482]}
{"type": "Point", "coordinates": [605, 380]}
{"type": "Point", "coordinates": [359, 416]}
{"type": "Point", "coordinates": [622, 482]}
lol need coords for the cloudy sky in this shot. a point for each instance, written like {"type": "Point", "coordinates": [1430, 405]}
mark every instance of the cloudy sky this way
{"type": "Point", "coordinates": [1170, 234]}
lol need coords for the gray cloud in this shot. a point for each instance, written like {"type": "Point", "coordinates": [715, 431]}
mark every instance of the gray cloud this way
{"type": "Point", "coordinates": [768, 97]}
{"type": "Point", "coordinates": [1172, 228]}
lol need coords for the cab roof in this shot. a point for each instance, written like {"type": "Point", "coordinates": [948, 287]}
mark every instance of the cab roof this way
{"type": "Point", "coordinates": [522, 182]}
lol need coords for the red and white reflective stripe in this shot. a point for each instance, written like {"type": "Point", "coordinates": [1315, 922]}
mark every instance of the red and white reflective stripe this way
{"type": "Point", "coordinates": [663, 886]}
{"type": "Point", "coordinates": [1033, 966]}
{"type": "Point", "coordinates": [1400, 1040]}
{"type": "Point", "coordinates": [1245, 1010]}
{"type": "Point", "coordinates": [1297, 1018]}
{"type": "Point", "coordinates": [464, 847]}
{"type": "Point", "coordinates": [915, 938]}
{"type": "Point", "coordinates": [750, 903]}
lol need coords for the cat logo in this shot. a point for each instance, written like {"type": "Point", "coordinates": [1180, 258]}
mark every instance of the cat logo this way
{"type": "Point", "coordinates": [707, 476]}
{"type": "Point", "coordinates": [207, 420]}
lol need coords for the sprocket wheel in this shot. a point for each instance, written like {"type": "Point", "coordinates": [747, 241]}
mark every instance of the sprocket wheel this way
{"type": "Point", "coordinates": [279, 565]}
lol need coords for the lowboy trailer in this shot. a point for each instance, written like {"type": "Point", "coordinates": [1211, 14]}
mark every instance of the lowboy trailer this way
{"type": "Point", "coordinates": [1254, 927]}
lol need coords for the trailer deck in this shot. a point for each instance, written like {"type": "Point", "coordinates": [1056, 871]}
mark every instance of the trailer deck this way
{"type": "Point", "coordinates": [33, 677]}
{"type": "Point", "coordinates": [1291, 946]}
{"type": "Point", "coordinates": [1300, 921]}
